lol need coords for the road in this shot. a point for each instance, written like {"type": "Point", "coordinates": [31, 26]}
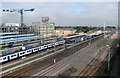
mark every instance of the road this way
{"type": "Point", "coordinates": [78, 60]}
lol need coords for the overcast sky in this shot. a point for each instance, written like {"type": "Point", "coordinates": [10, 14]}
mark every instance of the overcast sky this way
{"type": "Point", "coordinates": [63, 13]}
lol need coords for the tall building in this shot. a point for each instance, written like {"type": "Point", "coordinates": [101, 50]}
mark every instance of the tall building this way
{"type": "Point", "coordinates": [44, 28]}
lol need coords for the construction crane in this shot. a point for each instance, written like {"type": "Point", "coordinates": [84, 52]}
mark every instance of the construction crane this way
{"type": "Point", "coordinates": [21, 11]}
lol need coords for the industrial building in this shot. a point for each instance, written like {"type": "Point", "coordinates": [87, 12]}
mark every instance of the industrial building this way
{"type": "Point", "coordinates": [15, 27]}
{"type": "Point", "coordinates": [44, 28]}
{"type": "Point", "coordinates": [64, 31]}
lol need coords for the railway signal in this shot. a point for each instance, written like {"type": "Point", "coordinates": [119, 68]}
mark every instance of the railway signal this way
{"type": "Point", "coordinates": [21, 11]}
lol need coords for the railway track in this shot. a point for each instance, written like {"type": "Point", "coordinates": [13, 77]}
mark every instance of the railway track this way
{"type": "Point", "coordinates": [40, 65]}
{"type": "Point", "coordinates": [61, 63]}
{"type": "Point", "coordinates": [93, 65]}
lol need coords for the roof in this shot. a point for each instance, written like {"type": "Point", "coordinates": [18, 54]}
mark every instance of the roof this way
{"type": "Point", "coordinates": [23, 35]}
{"type": "Point", "coordinates": [18, 39]}
{"type": "Point", "coordinates": [74, 36]}
{"type": "Point", "coordinates": [7, 33]}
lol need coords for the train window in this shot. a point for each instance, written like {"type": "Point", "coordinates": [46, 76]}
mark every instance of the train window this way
{"type": "Point", "coordinates": [22, 53]}
{"type": "Point", "coordinates": [29, 51]}
{"type": "Point", "coordinates": [56, 43]}
{"type": "Point", "coordinates": [4, 58]}
{"type": "Point", "coordinates": [49, 45]}
{"type": "Point", "coordinates": [53, 44]}
{"type": "Point", "coordinates": [35, 49]}
{"type": "Point", "coordinates": [12, 55]}
{"type": "Point", "coordinates": [45, 46]}
{"type": "Point", "coordinates": [40, 48]}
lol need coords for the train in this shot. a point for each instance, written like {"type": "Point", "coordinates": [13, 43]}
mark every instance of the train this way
{"type": "Point", "coordinates": [76, 38]}
{"type": "Point", "coordinates": [30, 50]}
{"type": "Point", "coordinates": [16, 55]}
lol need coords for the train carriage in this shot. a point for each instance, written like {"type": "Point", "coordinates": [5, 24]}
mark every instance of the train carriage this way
{"type": "Point", "coordinates": [4, 59]}
{"type": "Point", "coordinates": [13, 56]}
{"type": "Point", "coordinates": [16, 55]}
{"type": "Point", "coordinates": [22, 53]}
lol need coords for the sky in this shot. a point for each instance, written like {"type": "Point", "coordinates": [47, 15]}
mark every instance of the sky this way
{"type": "Point", "coordinates": [63, 13]}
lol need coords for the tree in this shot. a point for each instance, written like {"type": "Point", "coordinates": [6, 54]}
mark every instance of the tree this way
{"type": "Point", "coordinates": [84, 29]}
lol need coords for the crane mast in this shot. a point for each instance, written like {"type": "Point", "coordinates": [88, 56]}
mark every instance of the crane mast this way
{"type": "Point", "coordinates": [21, 11]}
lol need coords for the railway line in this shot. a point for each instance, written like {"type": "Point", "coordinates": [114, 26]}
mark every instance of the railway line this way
{"type": "Point", "coordinates": [93, 65]}
{"type": "Point", "coordinates": [40, 65]}
{"type": "Point", "coordinates": [29, 58]}
{"type": "Point", "coordinates": [66, 63]}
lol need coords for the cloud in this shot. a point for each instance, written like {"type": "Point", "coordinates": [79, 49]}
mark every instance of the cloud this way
{"type": "Point", "coordinates": [65, 13]}
{"type": "Point", "coordinates": [60, 0]}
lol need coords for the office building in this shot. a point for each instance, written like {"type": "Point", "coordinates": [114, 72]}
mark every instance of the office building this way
{"type": "Point", "coordinates": [44, 28]}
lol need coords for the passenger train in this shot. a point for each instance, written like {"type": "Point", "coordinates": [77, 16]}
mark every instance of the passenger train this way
{"type": "Point", "coordinates": [76, 38]}
{"type": "Point", "coordinates": [21, 53]}
{"type": "Point", "coordinates": [12, 56]}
